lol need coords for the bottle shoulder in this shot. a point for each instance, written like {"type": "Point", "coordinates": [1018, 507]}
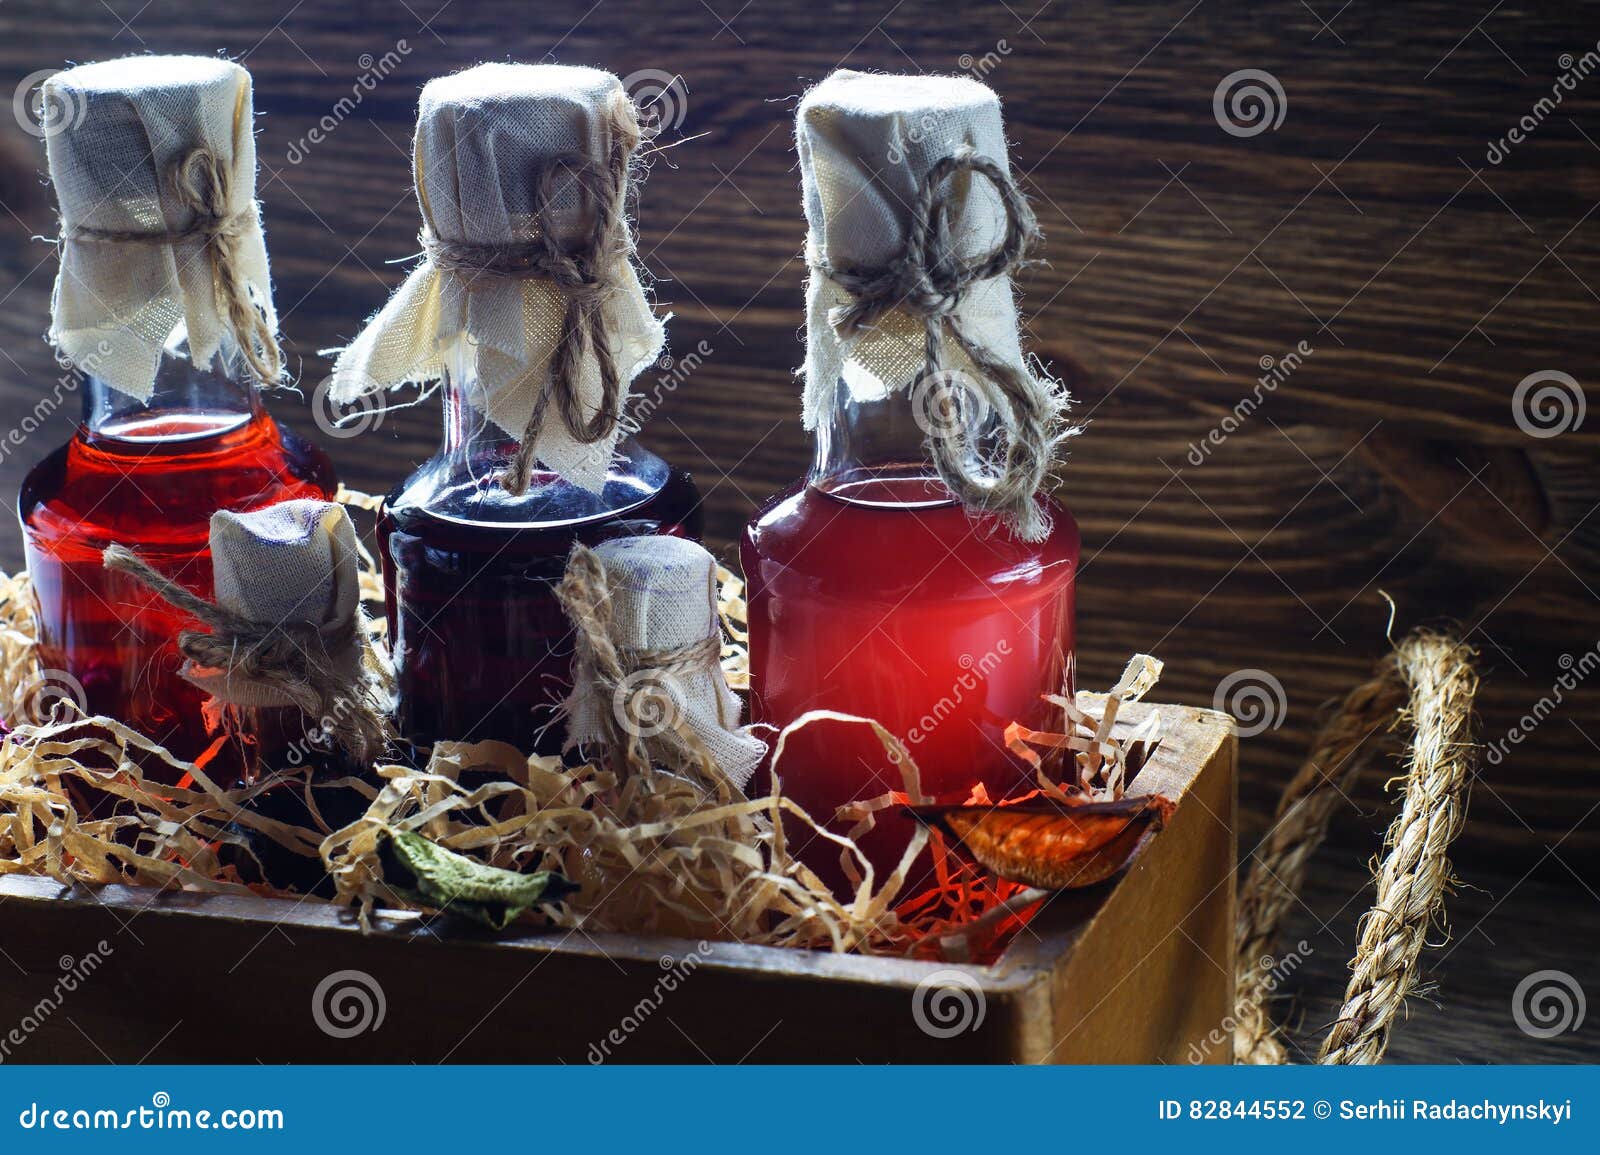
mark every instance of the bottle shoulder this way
{"type": "Point", "coordinates": [832, 543]}
{"type": "Point", "coordinates": [92, 489]}
{"type": "Point", "coordinates": [451, 488]}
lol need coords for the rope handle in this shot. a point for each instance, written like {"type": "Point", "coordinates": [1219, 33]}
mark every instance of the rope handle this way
{"type": "Point", "coordinates": [1427, 683]}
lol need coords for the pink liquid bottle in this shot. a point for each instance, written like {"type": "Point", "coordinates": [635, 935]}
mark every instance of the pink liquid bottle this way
{"type": "Point", "coordinates": [522, 175]}
{"type": "Point", "coordinates": [916, 576]}
{"type": "Point", "coordinates": [153, 160]}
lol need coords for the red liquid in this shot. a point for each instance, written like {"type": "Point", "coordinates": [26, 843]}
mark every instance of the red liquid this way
{"type": "Point", "coordinates": [152, 487]}
{"type": "Point", "coordinates": [882, 601]}
{"type": "Point", "coordinates": [481, 646]}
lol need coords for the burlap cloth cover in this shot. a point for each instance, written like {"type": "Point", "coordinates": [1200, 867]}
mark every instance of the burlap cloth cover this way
{"type": "Point", "coordinates": [916, 225]}
{"type": "Point", "coordinates": [664, 597]}
{"type": "Point", "coordinates": [296, 561]}
{"type": "Point", "coordinates": [482, 136]}
{"type": "Point", "coordinates": [125, 125]}
{"type": "Point", "coordinates": [866, 141]}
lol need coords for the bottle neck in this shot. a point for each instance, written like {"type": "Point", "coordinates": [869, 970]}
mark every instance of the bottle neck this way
{"type": "Point", "coordinates": [187, 400]}
{"type": "Point", "coordinates": [876, 450]}
{"type": "Point", "coordinates": [459, 482]}
{"type": "Point", "coordinates": [470, 438]}
{"type": "Point", "coordinates": [270, 739]}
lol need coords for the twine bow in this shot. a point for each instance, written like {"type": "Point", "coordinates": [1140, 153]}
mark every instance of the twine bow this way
{"type": "Point", "coordinates": [930, 280]}
{"type": "Point", "coordinates": [299, 659]}
{"type": "Point", "coordinates": [637, 708]}
{"type": "Point", "coordinates": [580, 271]}
{"type": "Point", "coordinates": [200, 183]}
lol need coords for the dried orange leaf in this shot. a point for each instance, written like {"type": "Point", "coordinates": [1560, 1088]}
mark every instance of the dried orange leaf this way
{"type": "Point", "coordinates": [1050, 845]}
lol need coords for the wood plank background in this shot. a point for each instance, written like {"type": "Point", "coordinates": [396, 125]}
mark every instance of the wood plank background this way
{"type": "Point", "coordinates": [1427, 277]}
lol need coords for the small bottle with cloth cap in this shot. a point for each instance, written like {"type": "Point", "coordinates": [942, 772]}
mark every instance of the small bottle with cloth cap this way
{"type": "Point", "coordinates": [528, 309]}
{"type": "Point", "coordinates": [292, 682]}
{"type": "Point", "coordinates": [648, 684]}
{"type": "Point", "coordinates": [162, 318]}
{"type": "Point", "coordinates": [921, 575]}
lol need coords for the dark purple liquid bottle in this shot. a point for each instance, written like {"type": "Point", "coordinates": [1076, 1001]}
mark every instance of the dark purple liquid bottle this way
{"type": "Point", "coordinates": [481, 646]}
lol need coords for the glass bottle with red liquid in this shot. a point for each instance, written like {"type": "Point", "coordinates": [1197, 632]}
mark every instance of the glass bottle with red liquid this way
{"type": "Point", "coordinates": [872, 590]}
{"type": "Point", "coordinates": [523, 178]}
{"type": "Point", "coordinates": [166, 438]}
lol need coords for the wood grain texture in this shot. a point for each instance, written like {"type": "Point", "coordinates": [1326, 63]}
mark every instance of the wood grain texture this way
{"type": "Point", "coordinates": [1371, 224]}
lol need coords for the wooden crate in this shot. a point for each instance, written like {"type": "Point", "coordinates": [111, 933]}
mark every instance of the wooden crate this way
{"type": "Point", "coordinates": [1137, 970]}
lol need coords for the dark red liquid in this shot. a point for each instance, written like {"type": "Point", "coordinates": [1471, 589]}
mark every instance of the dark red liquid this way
{"type": "Point", "coordinates": [882, 601]}
{"type": "Point", "coordinates": [282, 752]}
{"type": "Point", "coordinates": [153, 487]}
{"type": "Point", "coordinates": [283, 798]}
{"type": "Point", "coordinates": [481, 646]}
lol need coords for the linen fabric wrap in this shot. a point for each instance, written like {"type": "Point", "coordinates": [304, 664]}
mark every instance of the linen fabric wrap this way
{"type": "Point", "coordinates": [116, 130]}
{"type": "Point", "coordinates": [482, 135]}
{"type": "Point", "coordinates": [866, 141]}
{"type": "Point", "coordinates": [291, 562]}
{"type": "Point", "coordinates": [664, 597]}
